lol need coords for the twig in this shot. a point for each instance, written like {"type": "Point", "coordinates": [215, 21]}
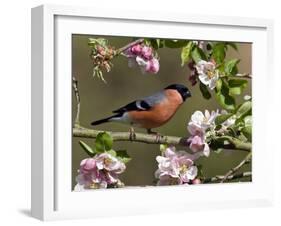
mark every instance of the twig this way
{"type": "Point", "coordinates": [245, 75]}
{"type": "Point", "coordinates": [234, 143]}
{"type": "Point", "coordinates": [231, 177]}
{"type": "Point", "coordinates": [122, 49]}
{"type": "Point", "coordinates": [76, 92]}
{"type": "Point", "coordinates": [236, 168]}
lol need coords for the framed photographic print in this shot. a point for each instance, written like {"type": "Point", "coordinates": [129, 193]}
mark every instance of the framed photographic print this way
{"type": "Point", "coordinates": [134, 112]}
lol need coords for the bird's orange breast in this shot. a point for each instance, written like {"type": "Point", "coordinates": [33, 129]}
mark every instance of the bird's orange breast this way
{"type": "Point", "coordinates": [158, 114]}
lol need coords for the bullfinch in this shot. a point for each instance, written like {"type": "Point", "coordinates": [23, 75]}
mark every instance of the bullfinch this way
{"type": "Point", "coordinates": [152, 111]}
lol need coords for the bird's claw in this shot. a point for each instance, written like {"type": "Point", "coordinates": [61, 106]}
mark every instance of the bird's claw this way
{"type": "Point", "coordinates": [132, 134]}
{"type": "Point", "coordinates": [158, 135]}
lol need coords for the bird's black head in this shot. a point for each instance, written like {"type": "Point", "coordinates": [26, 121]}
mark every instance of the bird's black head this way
{"type": "Point", "coordinates": [183, 90]}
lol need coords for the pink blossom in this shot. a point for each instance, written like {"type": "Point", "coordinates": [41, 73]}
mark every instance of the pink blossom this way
{"type": "Point", "coordinates": [175, 167]}
{"type": "Point", "coordinates": [146, 52]}
{"type": "Point", "coordinates": [152, 66]}
{"type": "Point", "coordinates": [198, 144]}
{"type": "Point", "coordinates": [99, 171]}
{"type": "Point", "coordinates": [142, 56]}
{"type": "Point", "coordinates": [136, 49]}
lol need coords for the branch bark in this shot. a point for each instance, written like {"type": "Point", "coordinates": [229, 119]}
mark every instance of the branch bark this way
{"type": "Point", "coordinates": [125, 136]}
{"type": "Point", "coordinates": [122, 49]}
{"type": "Point", "coordinates": [236, 168]}
{"type": "Point", "coordinates": [230, 177]}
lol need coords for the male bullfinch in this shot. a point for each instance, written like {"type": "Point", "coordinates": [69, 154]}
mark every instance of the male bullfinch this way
{"type": "Point", "coordinates": [152, 111]}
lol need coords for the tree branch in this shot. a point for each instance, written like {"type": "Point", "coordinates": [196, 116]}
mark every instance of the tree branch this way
{"type": "Point", "coordinates": [76, 92]}
{"type": "Point", "coordinates": [125, 136]}
{"type": "Point", "coordinates": [122, 49]}
{"type": "Point", "coordinates": [234, 143]}
{"type": "Point", "coordinates": [230, 177]}
{"type": "Point", "coordinates": [236, 168]}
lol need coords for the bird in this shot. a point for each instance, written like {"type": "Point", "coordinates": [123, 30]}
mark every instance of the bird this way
{"type": "Point", "coordinates": [152, 111]}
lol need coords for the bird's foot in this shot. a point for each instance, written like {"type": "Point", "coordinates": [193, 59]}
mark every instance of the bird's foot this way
{"type": "Point", "coordinates": [132, 134]}
{"type": "Point", "coordinates": [158, 135]}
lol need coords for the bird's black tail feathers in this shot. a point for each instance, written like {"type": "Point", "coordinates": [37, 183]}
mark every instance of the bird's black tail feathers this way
{"type": "Point", "coordinates": [101, 121]}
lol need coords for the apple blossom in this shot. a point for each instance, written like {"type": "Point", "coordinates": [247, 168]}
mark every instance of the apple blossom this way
{"type": "Point", "coordinates": [99, 172]}
{"type": "Point", "coordinates": [207, 73]}
{"type": "Point", "coordinates": [175, 167]}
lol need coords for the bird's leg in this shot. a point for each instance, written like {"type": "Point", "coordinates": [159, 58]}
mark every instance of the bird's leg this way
{"type": "Point", "coordinates": [158, 135]}
{"type": "Point", "coordinates": [132, 133]}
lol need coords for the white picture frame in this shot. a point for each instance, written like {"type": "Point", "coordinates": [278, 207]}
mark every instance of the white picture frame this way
{"type": "Point", "coordinates": [52, 197]}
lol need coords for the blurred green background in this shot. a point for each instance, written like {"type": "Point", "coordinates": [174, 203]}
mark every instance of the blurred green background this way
{"type": "Point", "coordinates": [126, 84]}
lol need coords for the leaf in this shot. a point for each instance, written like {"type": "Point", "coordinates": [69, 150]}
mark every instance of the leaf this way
{"type": "Point", "coordinates": [236, 86]}
{"type": "Point", "coordinates": [247, 132]}
{"type": "Point", "coordinates": [112, 152]}
{"type": "Point", "coordinates": [204, 90]}
{"type": "Point", "coordinates": [176, 43]}
{"type": "Point", "coordinates": [185, 53]}
{"type": "Point", "coordinates": [244, 109]}
{"type": "Point", "coordinates": [97, 41]}
{"type": "Point", "coordinates": [87, 148]}
{"type": "Point", "coordinates": [223, 97]}
{"type": "Point", "coordinates": [233, 45]}
{"type": "Point", "coordinates": [103, 142]}
{"type": "Point", "coordinates": [222, 118]}
{"type": "Point", "coordinates": [230, 67]}
{"type": "Point", "coordinates": [155, 43]}
{"type": "Point", "coordinates": [219, 52]}
{"type": "Point", "coordinates": [198, 54]}
{"type": "Point", "coordinates": [219, 84]}
{"type": "Point", "coordinates": [123, 156]}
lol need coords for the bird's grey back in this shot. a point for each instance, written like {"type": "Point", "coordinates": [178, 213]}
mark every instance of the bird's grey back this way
{"type": "Point", "coordinates": [154, 99]}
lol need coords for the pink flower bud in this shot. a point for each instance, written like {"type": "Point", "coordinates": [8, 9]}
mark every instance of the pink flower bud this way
{"type": "Point", "coordinates": [152, 66]}
{"type": "Point", "coordinates": [146, 52]}
{"type": "Point", "coordinates": [136, 49]}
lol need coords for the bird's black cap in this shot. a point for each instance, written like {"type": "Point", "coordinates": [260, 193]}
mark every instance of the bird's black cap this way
{"type": "Point", "coordinates": [183, 90]}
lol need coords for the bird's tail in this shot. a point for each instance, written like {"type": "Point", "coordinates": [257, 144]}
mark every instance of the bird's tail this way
{"type": "Point", "coordinates": [108, 119]}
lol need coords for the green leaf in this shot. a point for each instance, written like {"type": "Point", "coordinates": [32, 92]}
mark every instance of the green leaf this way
{"type": "Point", "coordinates": [247, 132]}
{"type": "Point", "coordinates": [176, 43]}
{"type": "Point", "coordinates": [198, 54]}
{"type": "Point", "coordinates": [87, 148]}
{"type": "Point", "coordinates": [236, 86]}
{"type": "Point", "coordinates": [233, 45]}
{"type": "Point", "coordinates": [103, 142]}
{"type": "Point", "coordinates": [219, 52]}
{"type": "Point", "coordinates": [230, 67]}
{"type": "Point", "coordinates": [219, 84]}
{"type": "Point", "coordinates": [123, 156]}
{"type": "Point", "coordinates": [222, 118]}
{"type": "Point", "coordinates": [244, 110]}
{"type": "Point", "coordinates": [97, 41]}
{"type": "Point", "coordinates": [223, 97]}
{"type": "Point", "coordinates": [204, 90]}
{"type": "Point", "coordinates": [112, 152]}
{"type": "Point", "coordinates": [155, 43]}
{"type": "Point", "coordinates": [185, 53]}
{"type": "Point", "coordinates": [163, 147]}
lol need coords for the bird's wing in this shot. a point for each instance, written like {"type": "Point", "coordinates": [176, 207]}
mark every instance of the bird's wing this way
{"type": "Point", "coordinates": [142, 105]}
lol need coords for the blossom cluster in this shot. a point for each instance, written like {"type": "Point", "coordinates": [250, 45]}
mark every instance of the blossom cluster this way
{"type": "Point", "coordinates": [100, 171]}
{"type": "Point", "coordinates": [199, 125]}
{"type": "Point", "coordinates": [175, 167]}
{"type": "Point", "coordinates": [142, 56]}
